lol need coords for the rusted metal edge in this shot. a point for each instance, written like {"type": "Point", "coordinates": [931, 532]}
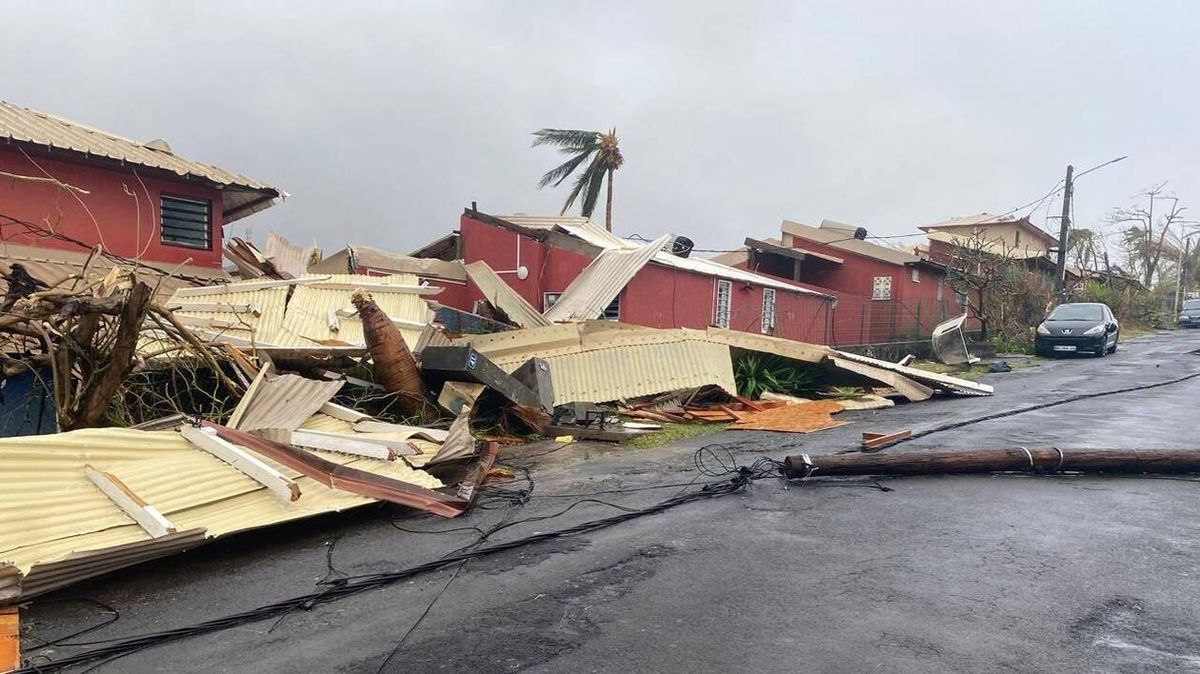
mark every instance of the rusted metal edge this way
{"type": "Point", "coordinates": [487, 458]}
{"type": "Point", "coordinates": [335, 476]}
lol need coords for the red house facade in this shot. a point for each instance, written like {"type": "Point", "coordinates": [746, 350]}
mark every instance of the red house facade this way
{"type": "Point", "coordinates": [540, 258]}
{"type": "Point", "coordinates": [65, 187]}
{"type": "Point", "coordinates": [883, 294]}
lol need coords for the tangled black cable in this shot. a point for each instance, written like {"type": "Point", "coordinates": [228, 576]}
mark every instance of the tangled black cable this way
{"type": "Point", "coordinates": [717, 461]}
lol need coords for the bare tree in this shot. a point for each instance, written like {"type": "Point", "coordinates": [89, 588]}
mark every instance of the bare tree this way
{"type": "Point", "coordinates": [1143, 236]}
{"type": "Point", "coordinates": [982, 268]}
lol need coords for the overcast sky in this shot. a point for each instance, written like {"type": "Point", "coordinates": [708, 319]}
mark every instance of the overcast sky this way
{"type": "Point", "coordinates": [383, 120]}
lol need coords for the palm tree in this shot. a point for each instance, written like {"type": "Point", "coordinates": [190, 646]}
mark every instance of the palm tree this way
{"type": "Point", "coordinates": [600, 148]}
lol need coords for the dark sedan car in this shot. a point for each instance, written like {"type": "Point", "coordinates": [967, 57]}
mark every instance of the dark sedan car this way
{"type": "Point", "coordinates": [1189, 317]}
{"type": "Point", "coordinates": [1087, 327]}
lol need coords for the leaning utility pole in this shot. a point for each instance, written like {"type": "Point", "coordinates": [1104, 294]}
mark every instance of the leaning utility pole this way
{"type": "Point", "coordinates": [1064, 231]}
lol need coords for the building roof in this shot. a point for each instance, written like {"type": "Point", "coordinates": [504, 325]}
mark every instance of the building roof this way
{"type": "Point", "coordinates": [985, 219]}
{"type": "Point", "coordinates": [840, 236]}
{"type": "Point", "coordinates": [51, 265]}
{"type": "Point", "coordinates": [354, 256]}
{"type": "Point", "coordinates": [793, 252]}
{"type": "Point", "coordinates": [596, 235]}
{"type": "Point", "coordinates": [241, 195]}
{"type": "Point", "coordinates": [993, 246]}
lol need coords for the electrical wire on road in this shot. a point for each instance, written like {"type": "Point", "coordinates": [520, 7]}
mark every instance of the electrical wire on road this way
{"type": "Point", "coordinates": [714, 461]}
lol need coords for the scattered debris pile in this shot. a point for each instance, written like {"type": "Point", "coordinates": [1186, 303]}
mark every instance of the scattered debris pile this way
{"type": "Point", "coordinates": [289, 394]}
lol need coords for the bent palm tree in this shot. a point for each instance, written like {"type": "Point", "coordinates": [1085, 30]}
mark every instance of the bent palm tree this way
{"type": "Point", "coordinates": [605, 156]}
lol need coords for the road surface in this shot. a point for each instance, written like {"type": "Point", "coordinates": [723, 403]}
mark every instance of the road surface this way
{"type": "Point", "coordinates": [940, 574]}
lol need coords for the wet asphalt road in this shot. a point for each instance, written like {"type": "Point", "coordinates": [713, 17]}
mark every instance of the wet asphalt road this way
{"type": "Point", "coordinates": [941, 574]}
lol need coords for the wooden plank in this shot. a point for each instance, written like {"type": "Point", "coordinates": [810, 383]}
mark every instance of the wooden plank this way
{"type": "Point", "coordinates": [217, 307]}
{"type": "Point", "coordinates": [378, 287]}
{"type": "Point", "coordinates": [10, 639]}
{"type": "Point", "coordinates": [400, 322]}
{"type": "Point", "coordinates": [908, 388]}
{"type": "Point", "coordinates": [868, 435]}
{"type": "Point", "coordinates": [248, 286]}
{"type": "Point", "coordinates": [881, 440]}
{"type": "Point", "coordinates": [360, 444]}
{"type": "Point", "coordinates": [252, 467]}
{"type": "Point", "coordinates": [215, 323]}
{"type": "Point", "coordinates": [146, 515]}
{"type": "Point", "coordinates": [749, 403]}
{"type": "Point", "coordinates": [340, 412]}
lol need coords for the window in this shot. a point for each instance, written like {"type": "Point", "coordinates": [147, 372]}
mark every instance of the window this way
{"type": "Point", "coordinates": [768, 310]}
{"type": "Point", "coordinates": [881, 288]}
{"type": "Point", "coordinates": [1018, 242]}
{"type": "Point", "coordinates": [613, 311]}
{"type": "Point", "coordinates": [916, 275]}
{"type": "Point", "coordinates": [724, 297]}
{"type": "Point", "coordinates": [186, 222]}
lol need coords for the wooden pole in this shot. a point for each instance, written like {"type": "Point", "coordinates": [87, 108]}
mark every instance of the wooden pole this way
{"type": "Point", "coordinates": [1020, 459]}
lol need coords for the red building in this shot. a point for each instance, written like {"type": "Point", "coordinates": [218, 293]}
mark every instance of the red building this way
{"type": "Point", "coordinates": [543, 259]}
{"type": "Point", "coordinates": [66, 187]}
{"type": "Point", "coordinates": [883, 294]}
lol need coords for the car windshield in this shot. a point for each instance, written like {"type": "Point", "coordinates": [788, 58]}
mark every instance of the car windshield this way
{"type": "Point", "coordinates": [1077, 312]}
{"type": "Point", "coordinates": [1191, 305]}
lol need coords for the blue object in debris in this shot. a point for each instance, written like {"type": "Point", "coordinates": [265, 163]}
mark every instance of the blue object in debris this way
{"type": "Point", "coordinates": [26, 405]}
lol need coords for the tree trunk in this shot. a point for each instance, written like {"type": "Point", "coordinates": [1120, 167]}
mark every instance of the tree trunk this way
{"type": "Point", "coordinates": [395, 368]}
{"type": "Point", "coordinates": [608, 204]}
{"type": "Point", "coordinates": [99, 393]}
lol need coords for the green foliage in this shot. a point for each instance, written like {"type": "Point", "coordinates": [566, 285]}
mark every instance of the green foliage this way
{"type": "Point", "coordinates": [842, 392]}
{"type": "Point", "coordinates": [600, 153]}
{"type": "Point", "coordinates": [756, 373]}
{"type": "Point", "coordinates": [1012, 344]}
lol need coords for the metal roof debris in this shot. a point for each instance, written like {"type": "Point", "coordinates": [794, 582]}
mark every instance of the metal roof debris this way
{"type": "Point", "coordinates": [602, 281]}
{"type": "Point", "coordinates": [501, 296]}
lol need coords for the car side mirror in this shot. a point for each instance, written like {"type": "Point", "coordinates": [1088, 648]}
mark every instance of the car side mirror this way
{"type": "Point", "coordinates": [1112, 327]}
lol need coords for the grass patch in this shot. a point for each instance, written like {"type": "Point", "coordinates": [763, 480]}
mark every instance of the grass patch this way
{"type": "Point", "coordinates": [1135, 331]}
{"type": "Point", "coordinates": [971, 372]}
{"type": "Point", "coordinates": [673, 432]}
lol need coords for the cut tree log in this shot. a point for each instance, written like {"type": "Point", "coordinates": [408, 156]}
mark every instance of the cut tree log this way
{"type": "Point", "coordinates": [395, 367]}
{"type": "Point", "coordinates": [1020, 459]}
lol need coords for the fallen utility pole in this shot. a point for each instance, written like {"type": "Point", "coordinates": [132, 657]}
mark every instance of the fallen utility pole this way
{"type": "Point", "coordinates": [1043, 460]}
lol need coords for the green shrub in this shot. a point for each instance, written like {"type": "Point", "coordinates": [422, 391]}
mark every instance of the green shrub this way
{"type": "Point", "coordinates": [756, 373]}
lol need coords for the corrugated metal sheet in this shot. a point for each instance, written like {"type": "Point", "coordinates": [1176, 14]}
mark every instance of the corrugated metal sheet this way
{"type": "Point", "coordinates": [289, 258]}
{"type": "Point", "coordinates": [502, 296]}
{"type": "Point", "coordinates": [261, 328]}
{"type": "Point", "coordinates": [836, 235]}
{"type": "Point", "coordinates": [599, 361]}
{"type": "Point", "coordinates": [601, 281]}
{"type": "Point", "coordinates": [282, 401]}
{"type": "Point", "coordinates": [306, 321]}
{"type": "Point", "coordinates": [933, 379]}
{"type": "Point", "coordinates": [596, 235]}
{"type": "Point", "coordinates": [56, 527]}
{"type": "Point", "coordinates": [39, 128]}
{"type": "Point", "coordinates": [392, 263]}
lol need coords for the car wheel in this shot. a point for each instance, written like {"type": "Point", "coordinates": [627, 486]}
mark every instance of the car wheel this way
{"type": "Point", "coordinates": [1114, 348]}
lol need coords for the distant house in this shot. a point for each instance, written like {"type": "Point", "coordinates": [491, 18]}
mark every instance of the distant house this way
{"type": "Point", "coordinates": [883, 294]}
{"type": "Point", "coordinates": [66, 187]}
{"type": "Point", "coordinates": [1016, 238]}
{"type": "Point", "coordinates": [590, 273]}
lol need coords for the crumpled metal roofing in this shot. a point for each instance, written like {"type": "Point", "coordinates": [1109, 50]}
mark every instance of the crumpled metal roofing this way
{"type": "Point", "coordinates": [289, 258]}
{"type": "Point", "coordinates": [281, 401]}
{"type": "Point", "coordinates": [377, 260]}
{"type": "Point", "coordinates": [602, 281]}
{"type": "Point", "coordinates": [306, 321]}
{"type": "Point", "coordinates": [598, 236]}
{"type": "Point", "coordinates": [57, 528]}
{"type": "Point", "coordinates": [502, 296]}
{"type": "Point", "coordinates": [40, 128]}
{"type": "Point", "coordinates": [245, 325]}
{"type": "Point", "coordinates": [600, 361]}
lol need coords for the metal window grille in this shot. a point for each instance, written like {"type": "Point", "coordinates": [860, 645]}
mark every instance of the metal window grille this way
{"type": "Point", "coordinates": [186, 222]}
{"type": "Point", "coordinates": [916, 275]}
{"type": "Point", "coordinates": [724, 297]}
{"type": "Point", "coordinates": [881, 289]}
{"type": "Point", "coordinates": [768, 310]}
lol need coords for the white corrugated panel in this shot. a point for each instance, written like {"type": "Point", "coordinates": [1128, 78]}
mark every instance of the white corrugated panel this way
{"type": "Point", "coordinates": [306, 322]}
{"type": "Point", "coordinates": [504, 297]}
{"type": "Point", "coordinates": [601, 281]}
{"type": "Point", "coordinates": [289, 258]}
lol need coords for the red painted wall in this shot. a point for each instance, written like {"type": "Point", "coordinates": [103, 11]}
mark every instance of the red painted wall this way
{"type": "Point", "coordinates": [126, 225]}
{"type": "Point", "coordinates": [658, 296]}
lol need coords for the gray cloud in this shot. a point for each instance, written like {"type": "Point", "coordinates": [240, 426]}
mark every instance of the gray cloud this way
{"type": "Point", "coordinates": [384, 119]}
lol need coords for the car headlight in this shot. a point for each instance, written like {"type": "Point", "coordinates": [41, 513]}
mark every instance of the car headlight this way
{"type": "Point", "coordinates": [1094, 331]}
{"type": "Point", "coordinates": [1043, 330]}
{"type": "Point", "coordinates": [1183, 317]}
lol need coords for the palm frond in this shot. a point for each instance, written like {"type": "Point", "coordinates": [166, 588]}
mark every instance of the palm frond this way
{"type": "Point", "coordinates": [560, 173]}
{"type": "Point", "coordinates": [596, 174]}
{"type": "Point", "coordinates": [568, 139]}
{"type": "Point", "coordinates": [583, 184]}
